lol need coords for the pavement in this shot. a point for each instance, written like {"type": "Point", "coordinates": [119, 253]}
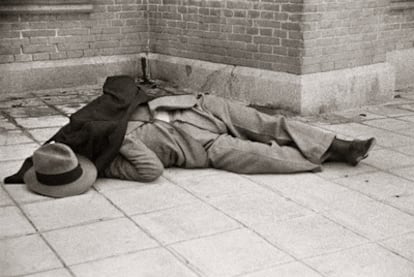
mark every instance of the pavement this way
{"type": "Point", "coordinates": [343, 221]}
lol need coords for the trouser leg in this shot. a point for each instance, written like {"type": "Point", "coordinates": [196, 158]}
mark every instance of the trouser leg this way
{"type": "Point", "coordinates": [248, 157]}
{"type": "Point", "coordinates": [247, 123]}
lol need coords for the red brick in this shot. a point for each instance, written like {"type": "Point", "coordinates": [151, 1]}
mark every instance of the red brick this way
{"type": "Point", "coordinates": [77, 32]}
{"type": "Point", "coordinates": [75, 54]}
{"type": "Point", "coordinates": [58, 56]}
{"type": "Point", "coordinates": [41, 56]}
{"type": "Point", "coordinates": [23, 58]}
{"type": "Point", "coordinates": [39, 33]}
{"type": "Point", "coordinates": [72, 46]}
{"type": "Point", "coordinates": [104, 44]}
{"type": "Point", "coordinates": [6, 58]}
{"type": "Point", "coordinates": [38, 48]}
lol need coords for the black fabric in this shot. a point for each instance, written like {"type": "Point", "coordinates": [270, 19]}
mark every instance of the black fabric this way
{"type": "Point", "coordinates": [98, 129]}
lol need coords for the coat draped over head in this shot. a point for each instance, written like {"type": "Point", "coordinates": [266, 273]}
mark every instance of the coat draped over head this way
{"type": "Point", "coordinates": [97, 130]}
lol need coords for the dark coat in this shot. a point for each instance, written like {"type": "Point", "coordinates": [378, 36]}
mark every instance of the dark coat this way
{"type": "Point", "coordinates": [97, 130]}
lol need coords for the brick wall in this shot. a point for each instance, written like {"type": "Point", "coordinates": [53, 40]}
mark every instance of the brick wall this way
{"type": "Point", "coordinates": [114, 27]}
{"type": "Point", "coordinates": [296, 36]}
{"type": "Point", "coordinates": [341, 34]}
{"type": "Point", "coordinates": [262, 34]}
{"type": "Point", "coordinates": [398, 26]}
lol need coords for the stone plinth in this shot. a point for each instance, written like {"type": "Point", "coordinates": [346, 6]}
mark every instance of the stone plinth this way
{"type": "Point", "coordinates": [306, 94]}
{"type": "Point", "coordinates": [32, 76]}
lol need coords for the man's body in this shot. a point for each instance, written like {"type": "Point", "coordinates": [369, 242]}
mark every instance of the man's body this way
{"type": "Point", "coordinates": [208, 131]}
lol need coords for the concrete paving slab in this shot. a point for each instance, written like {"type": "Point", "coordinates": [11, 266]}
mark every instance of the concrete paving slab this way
{"type": "Point", "coordinates": [407, 150]}
{"type": "Point", "coordinates": [391, 124]}
{"type": "Point", "coordinates": [69, 211]}
{"type": "Point", "coordinates": [43, 122]}
{"type": "Point", "coordinates": [386, 159]}
{"type": "Point", "coordinates": [6, 125]}
{"type": "Point", "coordinates": [370, 218]}
{"type": "Point", "coordinates": [62, 272]}
{"type": "Point", "coordinates": [224, 183]}
{"type": "Point", "coordinates": [405, 172]}
{"type": "Point", "coordinates": [17, 152]}
{"type": "Point", "coordinates": [21, 101]}
{"type": "Point", "coordinates": [359, 115]}
{"type": "Point", "coordinates": [404, 203]}
{"type": "Point", "coordinates": [185, 223]}
{"type": "Point", "coordinates": [43, 134]}
{"type": "Point", "coordinates": [71, 108]}
{"type": "Point", "coordinates": [35, 111]}
{"type": "Point", "coordinates": [153, 262]}
{"type": "Point", "coordinates": [180, 174]}
{"type": "Point", "coordinates": [149, 198]}
{"type": "Point", "coordinates": [22, 195]}
{"type": "Point", "coordinates": [64, 99]}
{"type": "Point", "coordinates": [309, 236]}
{"type": "Point", "coordinates": [295, 269]}
{"type": "Point", "coordinates": [407, 132]}
{"type": "Point", "coordinates": [108, 184]}
{"type": "Point", "coordinates": [388, 110]}
{"type": "Point", "coordinates": [98, 240]}
{"type": "Point", "coordinates": [27, 254]}
{"type": "Point", "coordinates": [403, 245]}
{"type": "Point", "coordinates": [8, 168]}
{"type": "Point", "coordinates": [340, 170]}
{"type": "Point", "coordinates": [230, 253]}
{"type": "Point", "coordinates": [306, 189]}
{"type": "Point", "coordinates": [367, 260]}
{"type": "Point", "coordinates": [254, 208]}
{"type": "Point", "coordinates": [14, 137]}
{"type": "Point", "coordinates": [379, 185]}
{"type": "Point", "coordinates": [409, 118]}
{"type": "Point", "coordinates": [13, 223]}
{"type": "Point", "coordinates": [5, 200]}
{"type": "Point", "coordinates": [384, 137]}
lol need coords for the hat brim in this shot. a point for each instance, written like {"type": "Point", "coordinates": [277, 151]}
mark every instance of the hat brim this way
{"type": "Point", "coordinates": [81, 185]}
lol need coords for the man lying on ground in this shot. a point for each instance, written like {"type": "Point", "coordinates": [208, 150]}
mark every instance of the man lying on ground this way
{"type": "Point", "coordinates": [129, 135]}
{"type": "Point", "coordinates": [208, 131]}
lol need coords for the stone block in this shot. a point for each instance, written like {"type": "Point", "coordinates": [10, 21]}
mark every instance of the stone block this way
{"type": "Point", "coordinates": [249, 85]}
{"type": "Point", "coordinates": [306, 94]}
{"type": "Point", "coordinates": [39, 75]}
{"type": "Point", "coordinates": [403, 62]}
{"type": "Point", "coordinates": [347, 88]}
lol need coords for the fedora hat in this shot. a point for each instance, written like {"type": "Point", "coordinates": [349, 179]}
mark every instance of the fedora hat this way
{"type": "Point", "coordinates": [58, 172]}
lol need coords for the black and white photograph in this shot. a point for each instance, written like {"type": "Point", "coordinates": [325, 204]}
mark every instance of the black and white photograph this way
{"type": "Point", "coordinates": [207, 138]}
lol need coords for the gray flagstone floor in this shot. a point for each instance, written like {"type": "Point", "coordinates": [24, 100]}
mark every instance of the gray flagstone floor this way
{"type": "Point", "coordinates": [344, 221]}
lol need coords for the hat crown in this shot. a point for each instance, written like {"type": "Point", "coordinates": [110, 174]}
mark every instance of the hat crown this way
{"type": "Point", "coordinates": [54, 158]}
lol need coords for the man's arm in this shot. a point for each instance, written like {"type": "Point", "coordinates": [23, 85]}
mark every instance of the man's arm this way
{"type": "Point", "coordinates": [136, 162]}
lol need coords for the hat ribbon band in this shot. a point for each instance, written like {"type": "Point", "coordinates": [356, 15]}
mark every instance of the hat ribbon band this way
{"type": "Point", "coordinates": [60, 179]}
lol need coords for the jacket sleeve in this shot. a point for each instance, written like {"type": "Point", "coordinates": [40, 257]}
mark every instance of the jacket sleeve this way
{"type": "Point", "coordinates": [135, 162]}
